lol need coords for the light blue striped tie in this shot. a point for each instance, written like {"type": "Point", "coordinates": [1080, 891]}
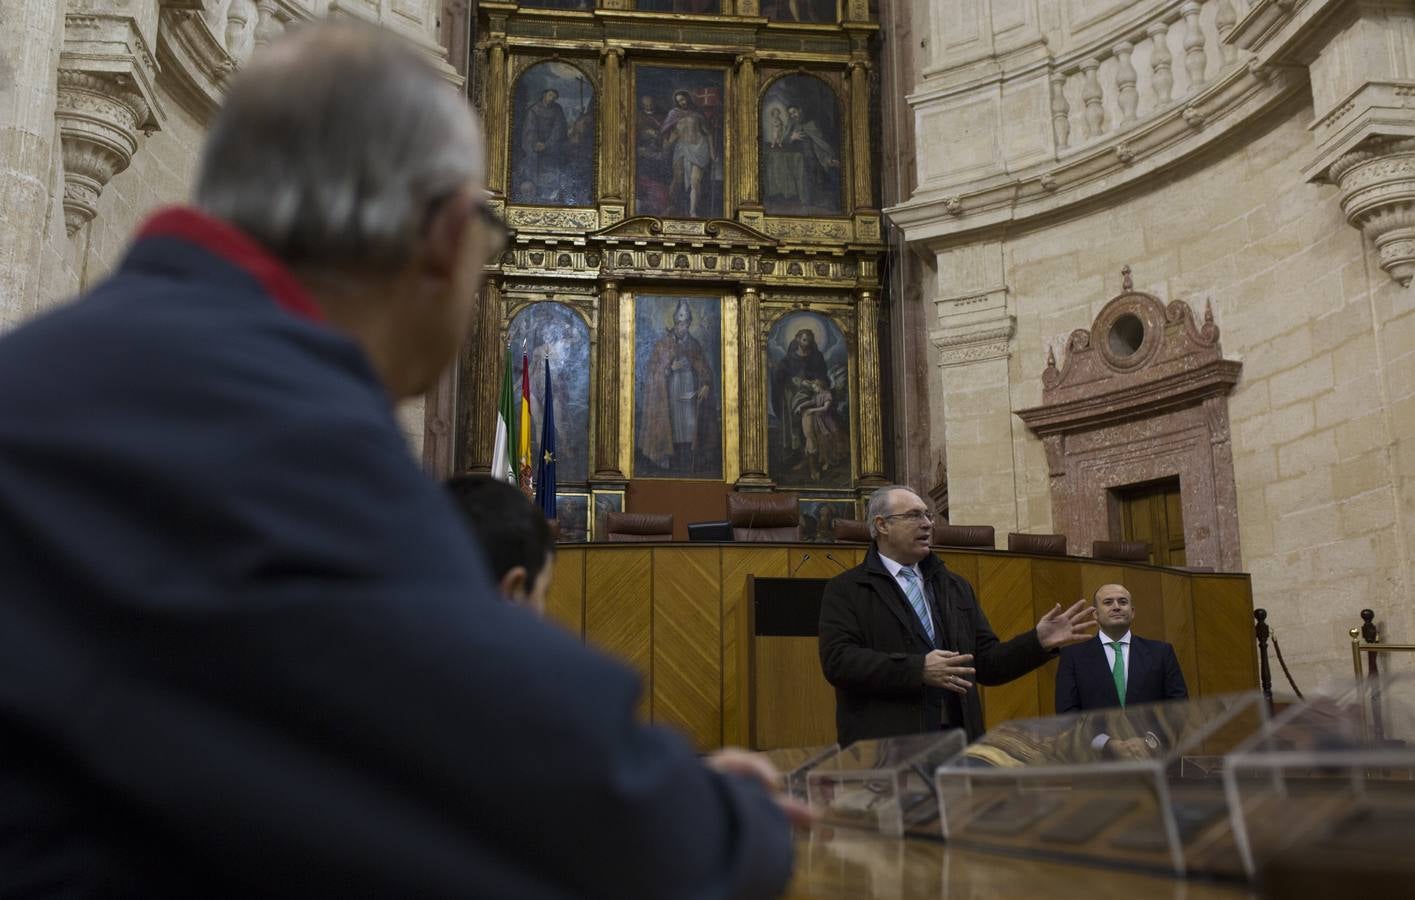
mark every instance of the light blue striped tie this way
{"type": "Point", "coordinates": [915, 592]}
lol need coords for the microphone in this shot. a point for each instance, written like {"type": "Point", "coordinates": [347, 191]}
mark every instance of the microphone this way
{"type": "Point", "coordinates": [843, 567]}
{"type": "Point", "coordinates": [797, 567]}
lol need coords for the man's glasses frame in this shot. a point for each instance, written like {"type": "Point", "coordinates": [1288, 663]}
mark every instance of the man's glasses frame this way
{"type": "Point", "coordinates": [913, 515]}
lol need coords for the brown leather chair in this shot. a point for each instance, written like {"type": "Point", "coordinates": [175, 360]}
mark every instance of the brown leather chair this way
{"type": "Point", "coordinates": [1040, 544]}
{"type": "Point", "coordinates": [764, 517]}
{"type": "Point", "coordinates": [1121, 551]}
{"type": "Point", "coordinates": [851, 531]}
{"type": "Point", "coordinates": [946, 535]}
{"type": "Point", "coordinates": [629, 526]}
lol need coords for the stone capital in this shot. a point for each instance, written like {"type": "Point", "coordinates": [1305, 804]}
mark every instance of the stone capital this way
{"type": "Point", "coordinates": [973, 327]}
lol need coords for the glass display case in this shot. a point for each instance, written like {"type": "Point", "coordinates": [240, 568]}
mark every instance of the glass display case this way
{"type": "Point", "coordinates": [1336, 772]}
{"type": "Point", "coordinates": [885, 785]}
{"type": "Point", "coordinates": [794, 762]}
{"type": "Point", "coordinates": [1140, 786]}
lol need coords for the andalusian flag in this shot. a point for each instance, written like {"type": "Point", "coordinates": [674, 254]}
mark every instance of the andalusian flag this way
{"type": "Point", "coordinates": [523, 452]}
{"type": "Point", "coordinates": [502, 467]}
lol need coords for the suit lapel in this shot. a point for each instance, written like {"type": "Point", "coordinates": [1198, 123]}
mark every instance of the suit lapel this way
{"type": "Point", "coordinates": [1097, 662]}
{"type": "Point", "coordinates": [1139, 658]}
{"type": "Point", "coordinates": [943, 600]}
{"type": "Point", "coordinates": [891, 596]}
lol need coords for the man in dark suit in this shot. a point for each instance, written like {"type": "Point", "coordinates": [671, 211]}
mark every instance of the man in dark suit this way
{"type": "Point", "coordinates": [902, 638]}
{"type": "Point", "coordinates": [1119, 668]}
{"type": "Point", "coordinates": [247, 647]}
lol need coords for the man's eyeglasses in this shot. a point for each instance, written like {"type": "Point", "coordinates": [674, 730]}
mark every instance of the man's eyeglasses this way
{"type": "Point", "coordinates": [913, 515]}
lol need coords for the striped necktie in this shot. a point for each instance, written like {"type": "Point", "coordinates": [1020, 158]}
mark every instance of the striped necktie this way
{"type": "Point", "coordinates": [915, 592]}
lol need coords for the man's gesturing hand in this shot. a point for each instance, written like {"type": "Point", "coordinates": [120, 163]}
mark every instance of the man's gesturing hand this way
{"type": "Point", "coordinates": [1057, 628]}
{"type": "Point", "coordinates": [948, 670]}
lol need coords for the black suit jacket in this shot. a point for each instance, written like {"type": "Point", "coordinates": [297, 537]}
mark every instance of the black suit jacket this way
{"type": "Point", "coordinates": [872, 649]}
{"type": "Point", "coordinates": [247, 648]}
{"type": "Point", "coordinates": [1084, 679]}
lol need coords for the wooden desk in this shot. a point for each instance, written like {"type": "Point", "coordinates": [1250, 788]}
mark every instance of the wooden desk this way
{"type": "Point", "coordinates": [842, 864]}
{"type": "Point", "coordinates": [679, 613]}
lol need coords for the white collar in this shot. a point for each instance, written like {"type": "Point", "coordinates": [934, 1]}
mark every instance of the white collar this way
{"type": "Point", "coordinates": [1106, 642]}
{"type": "Point", "coordinates": [893, 567]}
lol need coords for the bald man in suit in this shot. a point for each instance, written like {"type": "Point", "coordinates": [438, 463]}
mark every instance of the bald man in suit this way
{"type": "Point", "coordinates": [1091, 677]}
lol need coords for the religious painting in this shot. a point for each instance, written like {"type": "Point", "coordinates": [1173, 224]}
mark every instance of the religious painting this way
{"type": "Point", "coordinates": [678, 142]}
{"type": "Point", "coordinates": [552, 144]}
{"type": "Point", "coordinates": [808, 402]}
{"type": "Point", "coordinates": [800, 148]}
{"type": "Point", "coordinates": [800, 10]}
{"type": "Point", "coordinates": [679, 6]}
{"type": "Point", "coordinates": [556, 332]}
{"type": "Point", "coordinates": [605, 502]}
{"type": "Point", "coordinates": [572, 513]}
{"type": "Point", "coordinates": [818, 518]}
{"type": "Point", "coordinates": [677, 387]}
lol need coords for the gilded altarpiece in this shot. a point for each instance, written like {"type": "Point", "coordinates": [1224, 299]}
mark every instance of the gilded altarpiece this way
{"type": "Point", "coordinates": [692, 183]}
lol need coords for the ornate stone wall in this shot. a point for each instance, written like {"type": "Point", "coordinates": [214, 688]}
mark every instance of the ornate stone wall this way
{"type": "Point", "coordinates": [1250, 209]}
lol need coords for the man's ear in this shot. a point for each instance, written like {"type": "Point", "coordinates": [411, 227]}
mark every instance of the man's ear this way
{"type": "Point", "coordinates": [514, 583]}
{"type": "Point", "coordinates": [444, 238]}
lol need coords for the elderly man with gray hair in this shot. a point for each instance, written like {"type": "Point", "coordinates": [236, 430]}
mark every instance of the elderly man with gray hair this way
{"type": "Point", "coordinates": [247, 648]}
{"type": "Point", "coordinates": [903, 639]}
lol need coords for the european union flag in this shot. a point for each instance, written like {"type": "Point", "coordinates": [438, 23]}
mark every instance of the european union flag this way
{"type": "Point", "coordinates": [545, 466]}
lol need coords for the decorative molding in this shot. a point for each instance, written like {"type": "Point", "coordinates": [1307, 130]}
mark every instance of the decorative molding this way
{"type": "Point", "coordinates": [1377, 183]}
{"type": "Point", "coordinates": [98, 117]}
{"type": "Point", "coordinates": [973, 327]}
{"type": "Point", "coordinates": [1117, 161]}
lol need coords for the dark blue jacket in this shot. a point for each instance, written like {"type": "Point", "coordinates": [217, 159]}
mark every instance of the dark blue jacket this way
{"type": "Point", "coordinates": [247, 647]}
{"type": "Point", "coordinates": [1084, 679]}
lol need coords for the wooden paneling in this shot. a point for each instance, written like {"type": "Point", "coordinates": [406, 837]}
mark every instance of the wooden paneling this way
{"type": "Point", "coordinates": [619, 608]}
{"type": "Point", "coordinates": [1227, 650]}
{"type": "Point", "coordinates": [565, 601]}
{"type": "Point", "coordinates": [1179, 625]}
{"type": "Point", "coordinates": [795, 705]}
{"type": "Point", "coordinates": [687, 643]}
{"type": "Point", "coordinates": [1053, 581]}
{"type": "Point", "coordinates": [737, 564]}
{"type": "Point", "coordinates": [1004, 588]}
{"type": "Point", "coordinates": [667, 608]}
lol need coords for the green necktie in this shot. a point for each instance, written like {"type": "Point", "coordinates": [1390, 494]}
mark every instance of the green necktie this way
{"type": "Point", "coordinates": [1118, 670]}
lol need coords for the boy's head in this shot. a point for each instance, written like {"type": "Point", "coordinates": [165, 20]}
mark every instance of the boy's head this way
{"type": "Point", "coordinates": [513, 534]}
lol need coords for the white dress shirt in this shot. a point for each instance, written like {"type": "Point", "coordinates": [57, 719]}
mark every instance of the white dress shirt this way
{"type": "Point", "coordinates": [894, 568]}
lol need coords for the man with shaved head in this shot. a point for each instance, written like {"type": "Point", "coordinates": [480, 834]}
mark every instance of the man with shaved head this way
{"type": "Point", "coordinates": [248, 648]}
{"type": "Point", "coordinates": [1119, 668]}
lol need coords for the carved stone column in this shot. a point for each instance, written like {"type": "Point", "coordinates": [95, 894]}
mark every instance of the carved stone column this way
{"type": "Point", "coordinates": [479, 387]}
{"type": "Point", "coordinates": [860, 133]}
{"type": "Point", "coordinates": [607, 387]}
{"type": "Point", "coordinates": [1377, 183]}
{"type": "Point", "coordinates": [748, 189]}
{"type": "Point", "coordinates": [752, 392]}
{"type": "Point", "coordinates": [496, 125]}
{"type": "Point", "coordinates": [871, 428]}
{"type": "Point", "coordinates": [613, 166]}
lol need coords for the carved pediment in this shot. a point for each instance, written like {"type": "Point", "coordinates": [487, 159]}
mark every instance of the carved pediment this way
{"type": "Point", "coordinates": [1138, 356]}
{"type": "Point", "coordinates": [722, 232]}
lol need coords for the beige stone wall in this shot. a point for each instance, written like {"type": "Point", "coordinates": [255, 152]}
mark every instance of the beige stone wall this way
{"type": "Point", "coordinates": [1323, 419]}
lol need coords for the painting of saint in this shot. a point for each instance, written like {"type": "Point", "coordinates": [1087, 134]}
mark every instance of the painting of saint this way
{"type": "Point", "coordinates": [553, 137]}
{"type": "Point", "coordinates": [800, 148]}
{"type": "Point", "coordinates": [677, 387]}
{"type": "Point", "coordinates": [800, 10]}
{"type": "Point", "coordinates": [678, 140]}
{"type": "Point", "coordinates": [555, 331]}
{"type": "Point", "coordinates": [605, 502]}
{"type": "Point", "coordinates": [808, 402]}
{"type": "Point", "coordinates": [572, 513]}
{"type": "Point", "coordinates": [679, 6]}
{"type": "Point", "coordinates": [818, 518]}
